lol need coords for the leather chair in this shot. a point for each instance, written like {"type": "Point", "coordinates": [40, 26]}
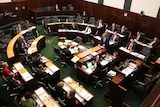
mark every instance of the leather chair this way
{"type": "Point", "coordinates": [57, 52]}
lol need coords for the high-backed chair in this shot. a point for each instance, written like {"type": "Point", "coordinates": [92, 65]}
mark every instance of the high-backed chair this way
{"type": "Point", "coordinates": [57, 51]}
{"type": "Point", "coordinates": [63, 59]}
{"type": "Point", "coordinates": [3, 37]}
{"type": "Point", "coordinates": [144, 87]}
{"type": "Point", "coordinates": [71, 8]}
{"type": "Point", "coordinates": [92, 20]}
{"type": "Point", "coordinates": [64, 8]}
{"type": "Point", "coordinates": [78, 39]}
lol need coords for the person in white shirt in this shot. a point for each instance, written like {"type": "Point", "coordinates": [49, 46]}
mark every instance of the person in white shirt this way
{"type": "Point", "coordinates": [88, 30]}
{"type": "Point", "coordinates": [100, 27]}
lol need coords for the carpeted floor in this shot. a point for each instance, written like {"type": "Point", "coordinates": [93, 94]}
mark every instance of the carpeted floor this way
{"type": "Point", "coordinates": [131, 98]}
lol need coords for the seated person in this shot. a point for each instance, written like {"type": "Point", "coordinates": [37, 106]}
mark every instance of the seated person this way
{"type": "Point", "coordinates": [104, 40]}
{"type": "Point", "coordinates": [28, 101]}
{"type": "Point", "coordinates": [70, 99]}
{"type": "Point", "coordinates": [23, 45]}
{"type": "Point", "coordinates": [115, 60]}
{"type": "Point", "coordinates": [100, 27]}
{"type": "Point", "coordinates": [123, 30]}
{"type": "Point", "coordinates": [148, 50]}
{"type": "Point", "coordinates": [13, 81]}
{"type": "Point", "coordinates": [139, 37]}
{"type": "Point", "coordinates": [37, 60]}
{"type": "Point", "coordinates": [74, 26]}
{"type": "Point", "coordinates": [62, 26]}
{"type": "Point", "coordinates": [18, 29]}
{"type": "Point", "coordinates": [6, 71]}
{"type": "Point", "coordinates": [113, 42]}
{"type": "Point", "coordinates": [41, 70]}
{"type": "Point", "coordinates": [113, 28]}
{"type": "Point", "coordinates": [27, 24]}
{"type": "Point", "coordinates": [114, 39]}
{"type": "Point", "coordinates": [85, 17]}
{"type": "Point", "coordinates": [60, 92]}
{"type": "Point", "coordinates": [88, 30]}
{"type": "Point", "coordinates": [131, 45]}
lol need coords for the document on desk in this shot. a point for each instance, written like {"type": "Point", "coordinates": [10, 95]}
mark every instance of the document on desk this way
{"type": "Point", "coordinates": [18, 66]}
{"type": "Point", "coordinates": [97, 37]}
{"type": "Point", "coordinates": [74, 43]}
{"type": "Point", "coordinates": [75, 59]}
{"type": "Point", "coordinates": [53, 68]}
{"type": "Point", "coordinates": [26, 76]}
{"type": "Point", "coordinates": [48, 71]}
{"type": "Point", "coordinates": [94, 53]}
{"type": "Point", "coordinates": [127, 71]}
{"type": "Point", "coordinates": [89, 70]}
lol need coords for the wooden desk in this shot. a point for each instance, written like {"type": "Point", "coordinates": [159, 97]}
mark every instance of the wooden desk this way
{"type": "Point", "coordinates": [153, 98]}
{"type": "Point", "coordinates": [54, 69]}
{"type": "Point", "coordinates": [71, 34]}
{"type": "Point", "coordinates": [11, 46]}
{"type": "Point", "coordinates": [35, 13]}
{"type": "Point", "coordinates": [45, 98]}
{"type": "Point", "coordinates": [23, 72]}
{"type": "Point", "coordinates": [125, 53]}
{"type": "Point", "coordinates": [52, 28]}
{"type": "Point", "coordinates": [73, 46]}
{"type": "Point", "coordinates": [84, 97]}
{"type": "Point", "coordinates": [37, 45]}
{"type": "Point", "coordinates": [89, 51]}
{"type": "Point", "coordinates": [51, 69]}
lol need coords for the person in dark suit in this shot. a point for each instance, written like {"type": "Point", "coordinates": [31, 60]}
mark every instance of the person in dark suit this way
{"type": "Point", "coordinates": [139, 37]}
{"type": "Point", "coordinates": [62, 26]}
{"type": "Point", "coordinates": [100, 27]}
{"type": "Point", "coordinates": [60, 92]}
{"type": "Point", "coordinates": [131, 45]}
{"type": "Point", "coordinates": [85, 17]}
{"type": "Point", "coordinates": [37, 60]}
{"type": "Point", "coordinates": [113, 27]}
{"type": "Point", "coordinates": [153, 44]}
{"type": "Point", "coordinates": [74, 26]}
{"type": "Point", "coordinates": [23, 45]}
{"type": "Point", "coordinates": [113, 42]}
{"type": "Point", "coordinates": [104, 40]}
{"type": "Point", "coordinates": [115, 60]}
{"type": "Point", "coordinates": [123, 30]}
{"type": "Point", "coordinates": [70, 99]}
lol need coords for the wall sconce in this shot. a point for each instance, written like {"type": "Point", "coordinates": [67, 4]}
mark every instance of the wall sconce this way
{"type": "Point", "coordinates": [23, 7]}
{"type": "Point", "coordinates": [16, 8]}
{"type": "Point", "coordinates": [125, 14]}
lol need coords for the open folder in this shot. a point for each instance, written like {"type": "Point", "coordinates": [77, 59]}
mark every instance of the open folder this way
{"type": "Point", "coordinates": [75, 59]}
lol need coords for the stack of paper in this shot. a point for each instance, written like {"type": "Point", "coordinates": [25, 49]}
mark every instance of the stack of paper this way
{"type": "Point", "coordinates": [75, 59]}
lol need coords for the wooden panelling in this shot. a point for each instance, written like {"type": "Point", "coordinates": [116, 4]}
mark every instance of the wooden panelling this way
{"type": "Point", "coordinates": [5, 6]}
{"type": "Point", "coordinates": [40, 3]}
{"type": "Point", "coordinates": [133, 21]}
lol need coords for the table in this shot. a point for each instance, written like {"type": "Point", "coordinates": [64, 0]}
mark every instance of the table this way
{"type": "Point", "coordinates": [73, 46]}
{"type": "Point", "coordinates": [11, 46]}
{"type": "Point", "coordinates": [153, 98]}
{"type": "Point", "coordinates": [125, 53]}
{"type": "Point", "coordinates": [84, 73]}
{"type": "Point", "coordinates": [52, 28]}
{"type": "Point", "coordinates": [26, 76]}
{"type": "Point", "coordinates": [37, 45]}
{"type": "Point", "coordinates": [84, 97]}
{"type": "Point", "coordinates": [35, 13]}
{"type": "Point", "coordinates": [45, 98]}
{"type": "Point", "coordinates": [71, 34]}
{"type": "Point", "coordinates": [51, 69]}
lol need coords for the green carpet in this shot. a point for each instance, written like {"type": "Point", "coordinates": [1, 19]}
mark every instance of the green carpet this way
{"type": "Point", "coordinates": [132, 99]}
